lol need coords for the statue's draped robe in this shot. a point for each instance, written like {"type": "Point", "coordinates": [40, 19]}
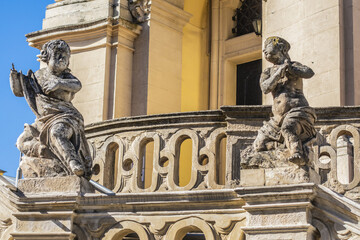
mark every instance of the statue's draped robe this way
{"type": "Point", "coordinates": [50, 111]}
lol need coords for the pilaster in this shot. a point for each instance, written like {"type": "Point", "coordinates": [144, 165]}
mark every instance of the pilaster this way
{"type": "Point", "coordinates": [164, 51]}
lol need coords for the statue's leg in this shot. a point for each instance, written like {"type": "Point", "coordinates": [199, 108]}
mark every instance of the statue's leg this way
{"type": "Point", "coordinates": [60, 135]}
{"type": "Point", "coordinates": [86, 156]}
{"type": "Point", "coordinates": [291, 130]}
{"type": "Point", "coordinates": [260, 142]}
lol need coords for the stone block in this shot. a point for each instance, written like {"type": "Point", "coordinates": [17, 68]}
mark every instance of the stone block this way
{"type": "Point", "coordinates": [286, 175]}
{"type": "Point", "coordinates": [252, 177]}
{"type": "Point", "coordinates": [68, 184]}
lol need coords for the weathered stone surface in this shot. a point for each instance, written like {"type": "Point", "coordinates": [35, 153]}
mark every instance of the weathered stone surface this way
{"type": "Point", "coordinates": [68, 184]}
{"type": "Point", "coordinates": [140, 10]}
{"type": "Point", "coordinates": [293, 120]}
{"type": "Point", "coordinates": [33, 167]}
{"type": "Point", "coordinates": [274, 168]}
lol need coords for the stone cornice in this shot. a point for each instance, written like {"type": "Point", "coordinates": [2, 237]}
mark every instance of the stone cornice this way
{"type": "Point", "coordinates": [85, 31]}
{"type": "Point", "coordinates": [156, 121]}
{"type": "Point", "coordinates": [60, 3]}
{"type": "Point", "coordinates": [256, 198]}
{"type": "Point", "coordinates": [295, 201]}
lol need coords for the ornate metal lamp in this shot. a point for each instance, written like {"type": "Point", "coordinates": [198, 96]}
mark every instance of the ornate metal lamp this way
{"type": "Point", "coordinates": [257, 26]}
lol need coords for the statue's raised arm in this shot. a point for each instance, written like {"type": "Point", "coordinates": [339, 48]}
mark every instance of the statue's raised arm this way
{"type": "Point", "coordinates": [55, 144]}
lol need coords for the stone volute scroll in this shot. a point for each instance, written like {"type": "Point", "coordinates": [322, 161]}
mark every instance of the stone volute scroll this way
{"type": "Point", "coordinates": [285, 139]}
{"type": "Point", "coordinates": [55, 144]}
{"type": "Point", "coordinates": [140, 9]}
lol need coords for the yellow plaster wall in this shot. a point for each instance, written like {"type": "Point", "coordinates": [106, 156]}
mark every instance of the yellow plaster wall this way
{"type": "Point", "coordinates": [195, 73]}
{"type": "Point", "coordinates": [195, 58]}
{"type": "Point", "coordinates": [164, 81]}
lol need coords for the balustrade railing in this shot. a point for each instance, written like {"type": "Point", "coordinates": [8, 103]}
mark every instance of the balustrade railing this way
{"type": "Point", "coordinates": [147, 153]}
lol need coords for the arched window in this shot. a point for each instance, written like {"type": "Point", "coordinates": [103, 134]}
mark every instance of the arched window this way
{"type": "Point", "coordinates": [131, 236]}
{"type": "Point", "coordinates": [345, 158]}
{"type": "Point", "coordinates": [146, 161]}
{"type": "Point", "coordinates": [185, 162]}
{"type": "Point", "coordinates": [110, 167]}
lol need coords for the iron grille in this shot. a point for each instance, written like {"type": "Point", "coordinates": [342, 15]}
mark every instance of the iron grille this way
{"type": "Point", "coordinates": [248, 11]}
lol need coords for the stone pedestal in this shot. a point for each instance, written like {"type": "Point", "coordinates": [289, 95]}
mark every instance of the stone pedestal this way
{"type": "Point", "coordinates": [282, 212]}
{"type": "Point", "coordinates": [69, 184]}
{"type": "Point", "coordinates": [278, 176]}
{"type": "Point", "coordinates": [47, 208]}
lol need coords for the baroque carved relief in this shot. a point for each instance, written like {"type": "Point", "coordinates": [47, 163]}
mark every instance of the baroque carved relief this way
{"type": "Point", "coordinates": [5, 225]}
{"type": "Point", "coordinates": [140, 9]}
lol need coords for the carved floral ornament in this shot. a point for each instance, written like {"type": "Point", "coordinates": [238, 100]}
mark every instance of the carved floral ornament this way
{"type": "Point", "coordinates": [140, 10]}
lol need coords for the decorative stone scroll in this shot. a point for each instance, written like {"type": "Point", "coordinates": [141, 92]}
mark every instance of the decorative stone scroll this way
{"type": "Point", "coordinates": [55, 144]}
{"type": "Point", "coordinates": [140, 9]}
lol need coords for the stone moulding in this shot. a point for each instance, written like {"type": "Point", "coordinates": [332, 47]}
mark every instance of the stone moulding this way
{"type": "Point", "coordinates": [238, 125]}
{"type": "Point", "coordinates": [83, 31]}
{"type": "Point", "coordinates": [298, 211]}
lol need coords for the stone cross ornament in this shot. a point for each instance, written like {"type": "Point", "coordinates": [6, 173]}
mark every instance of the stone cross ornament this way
{"type": "Point", "coordinates": [292, 123]}
{"type": "Point", "coordinates": [55, 144]}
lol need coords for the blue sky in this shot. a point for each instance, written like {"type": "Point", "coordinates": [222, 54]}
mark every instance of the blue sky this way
{"type": "Point", "coordinates": [17, 19]}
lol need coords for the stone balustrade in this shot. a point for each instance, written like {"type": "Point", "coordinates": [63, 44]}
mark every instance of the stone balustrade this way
{"type": "Point", "coordinates": [217, 139]}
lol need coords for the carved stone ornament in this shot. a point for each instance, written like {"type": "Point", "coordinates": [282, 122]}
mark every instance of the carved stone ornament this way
{"type": "Point", "coordinates": [291, 128]}
{"type": "Point", "coordinates": [4, 225]}
{"type": "Point", "coordinates": [55, 144]}
{"type": "Point", "coordinates": [140, 9]}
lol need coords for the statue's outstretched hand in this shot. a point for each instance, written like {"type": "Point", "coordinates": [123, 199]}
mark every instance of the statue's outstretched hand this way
{"type": "Point", "coordinates": [13, 72]}
{"type": "Point", "coordinates": [15, 83]}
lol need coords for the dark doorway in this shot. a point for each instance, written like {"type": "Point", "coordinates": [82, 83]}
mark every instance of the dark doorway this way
{"type": "Point", "coordinates": [248, 90]}
{"type": "Point", "coordinates": [131, 236]}
{"type": "Point", "coordinates": [194, 236]}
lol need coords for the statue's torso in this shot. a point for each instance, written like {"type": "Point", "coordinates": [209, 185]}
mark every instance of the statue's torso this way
{"type": "Point", "coordinates": [42, 75]}
{"type": "Point", "coordinates": [288, 94]}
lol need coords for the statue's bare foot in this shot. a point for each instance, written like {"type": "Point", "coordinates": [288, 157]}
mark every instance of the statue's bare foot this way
{"type": "Point", "coordinates": [76, 168]}
{"type": "Point", "coordinates": [297, 159]}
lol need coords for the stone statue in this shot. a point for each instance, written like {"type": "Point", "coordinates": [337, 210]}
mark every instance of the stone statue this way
{"type": "Point", "coordinates": [55, 144]}
{"type": "Point", "coordinates": [293, 120]}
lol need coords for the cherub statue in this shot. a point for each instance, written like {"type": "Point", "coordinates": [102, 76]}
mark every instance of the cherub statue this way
{"type": "Point", "coordinates": [293, 120]}
{"type": "Point", "coordinates": [57, 135]}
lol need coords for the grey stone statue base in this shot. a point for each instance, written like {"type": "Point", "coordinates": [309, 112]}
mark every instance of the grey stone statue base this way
{"type": "Point", "coordinates": [67, 184]}
{"type": "Point", "coordinates": [271, 168]}
{"type": "Point", "coordinates": [33, 167]}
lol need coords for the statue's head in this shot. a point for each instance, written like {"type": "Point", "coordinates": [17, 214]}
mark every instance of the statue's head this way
{"type": "Point", "coordinates": [276, 48]}
{"type": "Point", "coordinates": [56, 53]}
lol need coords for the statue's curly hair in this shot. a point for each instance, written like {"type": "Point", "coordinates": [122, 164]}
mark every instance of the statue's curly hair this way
{"type": "Point", "coordinates": [281, 43]}
{"type": "Point", "coordinates": [48, 49]}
